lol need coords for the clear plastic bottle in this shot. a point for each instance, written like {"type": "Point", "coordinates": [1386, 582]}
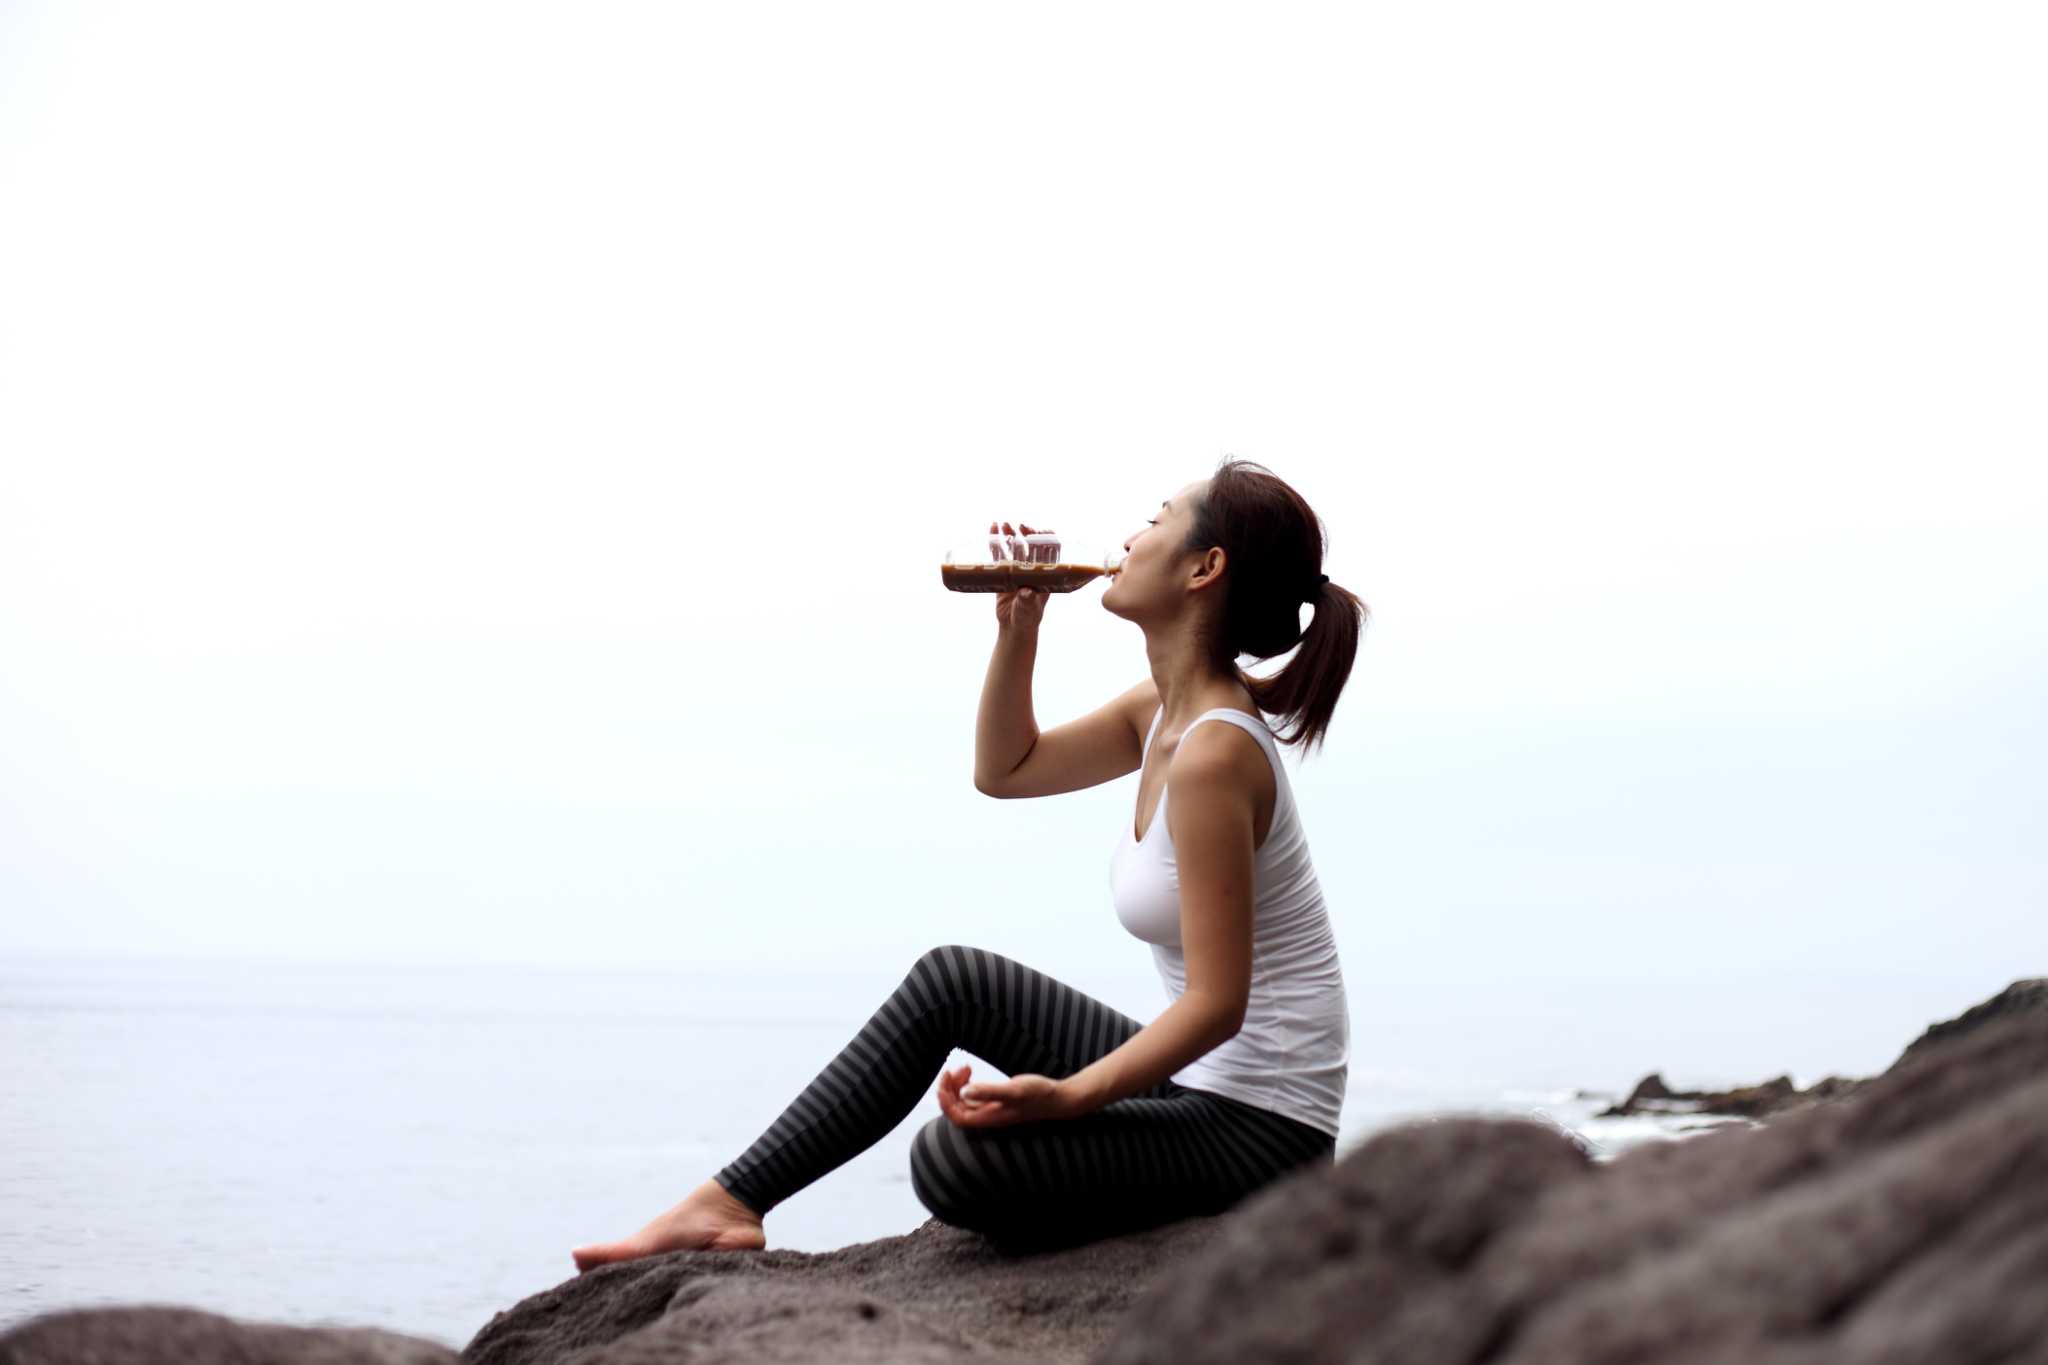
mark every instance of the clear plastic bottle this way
{"type": "Point", "coordinates": [1021, 557]}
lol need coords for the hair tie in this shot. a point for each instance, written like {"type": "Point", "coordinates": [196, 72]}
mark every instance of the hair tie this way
{"type": "Point", "coordinates": [1317, 587]}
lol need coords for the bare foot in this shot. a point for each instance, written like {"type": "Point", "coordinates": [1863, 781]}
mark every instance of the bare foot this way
{"type": "Point", "coordinates": [709, 1218]}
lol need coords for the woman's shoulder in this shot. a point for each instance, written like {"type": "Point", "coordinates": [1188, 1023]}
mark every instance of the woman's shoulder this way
{"type": "Point", "coordinates": [1232, 750]}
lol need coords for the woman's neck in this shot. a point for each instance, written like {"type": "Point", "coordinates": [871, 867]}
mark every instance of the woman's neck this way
{"type": "Point", "coordinates": [1188, 686]}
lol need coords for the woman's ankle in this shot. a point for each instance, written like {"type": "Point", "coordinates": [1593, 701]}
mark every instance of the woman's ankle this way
{"type": "Point", "coordinates": [719, 1197]}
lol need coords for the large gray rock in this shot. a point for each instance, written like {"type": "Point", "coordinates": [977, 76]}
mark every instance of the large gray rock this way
{"type": "Point", "coordinates": [1908, 1225]}
{"type": "Point", "coordinates": [152, 1334]}
{"type": "Point", "coordinates": [934, 1294]}
{"type": "Point", "coordinates": [2026, 996]}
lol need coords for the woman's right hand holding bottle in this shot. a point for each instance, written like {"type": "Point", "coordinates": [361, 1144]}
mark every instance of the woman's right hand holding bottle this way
{"type": "Point", "coordinates": [1017, 609]}
{"type": "Point", "coordinates": [1021, 609]}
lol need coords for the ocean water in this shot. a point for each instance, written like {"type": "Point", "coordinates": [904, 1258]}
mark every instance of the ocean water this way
{"type": "Point", "coordinates": [419, 1147]}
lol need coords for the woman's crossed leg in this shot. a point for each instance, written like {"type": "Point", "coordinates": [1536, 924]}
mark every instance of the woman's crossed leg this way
{"type": "Point", "coordinates": [1134, 1163]}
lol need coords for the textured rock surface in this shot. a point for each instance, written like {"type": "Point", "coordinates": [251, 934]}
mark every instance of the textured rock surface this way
{"type": "Point", "coordinates": [934, 1294]}
{"type": "Point", "coordinates": [2028, 996]}
{"type": "Point", "coordinates": [1909, 1224]}
{"type": "Point", "coordinates": [149, 1334]}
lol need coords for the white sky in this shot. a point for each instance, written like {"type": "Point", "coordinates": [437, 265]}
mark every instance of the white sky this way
{"type": "Point", "coordinates": [473, 477]}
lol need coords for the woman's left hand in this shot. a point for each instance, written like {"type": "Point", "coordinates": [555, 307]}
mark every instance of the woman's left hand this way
{"type": "Point", "coordinates": [991, 1104]}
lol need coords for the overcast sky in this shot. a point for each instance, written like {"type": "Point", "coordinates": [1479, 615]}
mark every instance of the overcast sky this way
{"type": "Point", "coordinates": [473, 477]}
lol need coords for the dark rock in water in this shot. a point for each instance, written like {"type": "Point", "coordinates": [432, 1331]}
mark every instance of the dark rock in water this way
{"type": "Point", "coordinates": [1779, 1095]}
{"type": "Point", "coordinates": [1650, 1087]}
{"type": "Point", "coordinates": [148, 1334]}
{"type": "Point", "coordinates": [1908, 1225]}
{"type": "Point", "coordinates": [1653, 1096]}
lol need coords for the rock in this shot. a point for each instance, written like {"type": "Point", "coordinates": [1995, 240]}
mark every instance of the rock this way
{"type": "Point", "coordinates": [1906, 1225]}
{"type": "Point", "coordinates": [149, 1334]}
{"type": "Point", "coordinates": [1650, 1087]}
{"type": "Point", "coordinates": [1652, 1096]}
{"type": "Point", "coordinates": [2027, 996]}
{"type": "Point", "coordinates": [1779, 1095]}
{"type": "Point", "coordinates": [934, 1294]}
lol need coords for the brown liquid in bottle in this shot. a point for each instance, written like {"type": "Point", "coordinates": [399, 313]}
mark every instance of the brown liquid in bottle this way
{"type": "Point", "coordinates": [1003, 577]}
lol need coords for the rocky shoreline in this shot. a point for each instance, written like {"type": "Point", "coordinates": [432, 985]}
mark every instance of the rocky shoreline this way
{"type": "Point", "coordinates": [1779, 1095]}
{"type": "Point", "coordinates": [1901, 1217]}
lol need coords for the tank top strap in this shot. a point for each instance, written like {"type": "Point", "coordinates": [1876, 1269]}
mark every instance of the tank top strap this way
{"type": "Point", "coordinates": [1256, 727]}
{"type": "Point", "coordinates": [1258, 730]}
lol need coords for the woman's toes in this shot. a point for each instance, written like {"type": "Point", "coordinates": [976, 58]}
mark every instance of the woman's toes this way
{"type": "Point", "coordinates": [600, 1253]}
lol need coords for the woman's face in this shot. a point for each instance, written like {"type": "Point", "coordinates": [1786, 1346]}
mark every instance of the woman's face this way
{"type": "Point", "coordinates": [1151, 550]}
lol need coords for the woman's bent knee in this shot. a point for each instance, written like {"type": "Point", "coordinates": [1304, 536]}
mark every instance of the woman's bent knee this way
{"type": "Point", "coordinates": [952, 1185]}
{"type": "Point", "coordinates": [929, 1181]}
{"type": "Point", "coordinates": [947, 974]}
{"type": "Point", "coordinates": [958, 1191]}
{"type": "Point", "coordinates": [942, 954]}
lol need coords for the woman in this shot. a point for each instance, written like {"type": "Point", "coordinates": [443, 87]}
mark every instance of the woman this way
{"type": "Point", "coordinates": [1104, 1124]}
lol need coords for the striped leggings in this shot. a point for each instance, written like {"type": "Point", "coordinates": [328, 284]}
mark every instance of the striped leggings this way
{"type": "Point", "coordinates": [1166, 1153]}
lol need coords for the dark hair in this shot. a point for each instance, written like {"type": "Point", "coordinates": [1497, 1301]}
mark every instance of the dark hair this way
{"type": "Point", "coordinates": [1273, 542]}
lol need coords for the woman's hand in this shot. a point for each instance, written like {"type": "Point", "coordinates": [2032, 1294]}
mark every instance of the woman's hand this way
{"type": "Point", "coordinates": [1016, 608]}
{"type": "Point", "coordinates": [991, 1104]}
{"type": "Point", "coordinates": [1021, 609]}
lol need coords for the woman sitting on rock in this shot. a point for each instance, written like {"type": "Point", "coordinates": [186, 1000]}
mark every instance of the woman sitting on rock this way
{"type": "Point", "coordinates": [1106, 1125]}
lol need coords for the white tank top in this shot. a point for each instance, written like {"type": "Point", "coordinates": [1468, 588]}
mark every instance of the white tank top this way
{"type": "Point", "coordinates": [1294, 1051]}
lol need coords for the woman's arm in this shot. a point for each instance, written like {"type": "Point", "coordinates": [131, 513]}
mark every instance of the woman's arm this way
{"type": "Point", "coordinates": [1187, 1029]}
{"type": "Point", "coordinates": [1004, 727]}
{"type": "Point", "coordinates": [1210, 814]}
